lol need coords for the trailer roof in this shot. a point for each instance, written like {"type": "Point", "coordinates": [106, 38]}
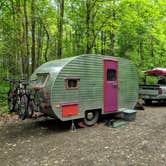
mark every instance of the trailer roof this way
{"type": "Point", "coordinates": [54, 66]}
{"type": "Point", "coordinates": [156, 72]}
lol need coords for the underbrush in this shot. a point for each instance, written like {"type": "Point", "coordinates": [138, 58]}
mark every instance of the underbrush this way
{"type": "Point", "coordinates": [3, 98]}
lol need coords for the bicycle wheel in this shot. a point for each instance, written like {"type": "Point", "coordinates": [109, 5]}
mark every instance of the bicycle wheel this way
{"type": "Point", "coordinates": [22, 106]}
{"type": "Point", "coordinates": [10, 101]}
{"type": "Point", "coordinates": [30, 109]}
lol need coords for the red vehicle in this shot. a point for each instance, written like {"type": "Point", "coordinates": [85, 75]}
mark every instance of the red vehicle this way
{"type": "Point", "coordinates": [157, 91]}
{"type": "Point", "coordinates": [156, 72]}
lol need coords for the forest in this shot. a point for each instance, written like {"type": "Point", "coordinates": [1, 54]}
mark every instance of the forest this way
{"type": "Point", "coordinates": [33, 32]}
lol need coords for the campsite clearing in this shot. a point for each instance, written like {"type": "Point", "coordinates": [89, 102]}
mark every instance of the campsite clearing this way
{"type": "Point", "coordinates": [50, 142]}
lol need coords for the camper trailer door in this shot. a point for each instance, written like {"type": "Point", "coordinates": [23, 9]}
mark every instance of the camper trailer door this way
{"type": "Point", "coordinates": [110, 85]}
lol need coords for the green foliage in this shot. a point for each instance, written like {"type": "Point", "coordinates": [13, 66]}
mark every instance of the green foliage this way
{"type": "Point", "coordinates": [151, 80]}
{"type": "Point", "coordinates": [134, 29]}
{"type": "Point", "coordinates": [141, 36]}
{"type": "Point", "coordinates": [3, 97]}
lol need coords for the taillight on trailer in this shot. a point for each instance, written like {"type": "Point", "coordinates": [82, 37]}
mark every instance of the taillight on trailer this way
{"type": "Point", "coordinates": [160, 91]}
{"type": "Point", "coordinates": [47, 106]}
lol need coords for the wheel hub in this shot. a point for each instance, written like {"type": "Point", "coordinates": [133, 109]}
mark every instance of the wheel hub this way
{"type": "Point", "coordinates": [90, 115]}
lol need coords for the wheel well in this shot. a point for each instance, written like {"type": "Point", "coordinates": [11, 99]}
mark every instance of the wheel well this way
{"type": "Point", "coordinates": [98, 109]}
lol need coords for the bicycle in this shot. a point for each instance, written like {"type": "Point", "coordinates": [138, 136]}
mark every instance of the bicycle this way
{"type": "Point", "coordinates": [11, 95]}
{"type": "Point", "coordinates": [28, 112]}
{"type": "Point", "coordinates": [33, 104]}
{"type": "Point", "coordinates": [18, 98]}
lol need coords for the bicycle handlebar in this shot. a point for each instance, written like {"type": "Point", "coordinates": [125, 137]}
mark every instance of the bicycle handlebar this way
{"type": "Point", "coordinates": [22, 81]}
{"type": "Point", "coordinates": [10, 80]}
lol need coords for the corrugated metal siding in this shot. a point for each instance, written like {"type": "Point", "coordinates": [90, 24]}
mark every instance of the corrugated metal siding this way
{"type": "Point", "coordinates": [90, 92]}
{"type": "Point", "coordinates": [128, 84]}
{"type": "Point", "coordinates": [90, 69]}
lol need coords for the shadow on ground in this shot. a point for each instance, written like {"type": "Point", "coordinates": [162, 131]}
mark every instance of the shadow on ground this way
{"type": "Point", "coordinates": [42, 126]}
{"type": "Point", "coordinates": [156, 104]}
{"type": "Point", "coordinates": [39, 127]}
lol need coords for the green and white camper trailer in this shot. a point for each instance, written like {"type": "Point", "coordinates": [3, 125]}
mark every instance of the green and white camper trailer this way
{"type": "Point", "coordinates": [85, 86]}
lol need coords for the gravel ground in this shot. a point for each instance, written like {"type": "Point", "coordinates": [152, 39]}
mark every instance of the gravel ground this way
{"type": "Point", "coordinates": [48, 142]}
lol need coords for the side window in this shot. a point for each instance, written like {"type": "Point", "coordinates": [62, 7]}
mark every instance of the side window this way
{"type": "Point", "coordinates": [72, 83]}
{"type": "Point", "coordinates": [111, 75]}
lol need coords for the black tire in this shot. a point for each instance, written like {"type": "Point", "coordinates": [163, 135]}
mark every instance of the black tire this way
{"type": "Point", "coordinates": [148, 102]}
{"type": "Point", "coordinates": [30, 109]}
{"type": "Point", "coordinates": [22, 107]}
{"type": "Point", "coordinates": [91, 117]}
{"type": "Point", "coordinates": [10, 101]}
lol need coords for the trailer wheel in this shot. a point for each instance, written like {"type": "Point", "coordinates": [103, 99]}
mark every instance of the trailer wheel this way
{"type": "Point", "coordinates": [91, 117]}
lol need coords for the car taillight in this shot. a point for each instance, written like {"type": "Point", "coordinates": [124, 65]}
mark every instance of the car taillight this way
{"type": "Point", "coordinates": [160, 91]}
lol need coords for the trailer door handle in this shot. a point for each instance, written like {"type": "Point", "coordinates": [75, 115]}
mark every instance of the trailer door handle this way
{"type": "Point", "coordinates": [114, 85]}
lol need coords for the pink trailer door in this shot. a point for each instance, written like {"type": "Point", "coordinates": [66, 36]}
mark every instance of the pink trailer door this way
{"type": "Point", "coordinates": [110, 85]}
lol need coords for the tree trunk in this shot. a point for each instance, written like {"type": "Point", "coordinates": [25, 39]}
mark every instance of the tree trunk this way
{"type": "Point", "coordinates": [102, 43]}
{"type": "Point", "coordinates": [13, 59]}
{"type": "Point", "coordinates": [112, 39]}
{"type": "Point", "coordinates": [140, 50]}
{"type": "Point", "coordinates": [91, 32]}
{"type": "Point", "coordinates": [112, 33]}
{"type": "Point", "coordinates": [47, 44]}
{"type": "Point", "coordinates": [60, 28]}
{"type": "Point", "coordinates": [20, 37]}
{"type": "Point", "coordinates": [39, 43]}
{"type": "Point", "coordinates": [88, 12]}
{"type": "Point", "coordinates": [23, 52]}
{"type": "Point", "coordinates": [151, 47]}
{"type": "Point", "coordinates": [33, 35]}
{"type": "Point", "coordinates": [26, 63]}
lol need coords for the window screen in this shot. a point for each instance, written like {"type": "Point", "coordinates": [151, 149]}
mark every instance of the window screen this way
{"type": "Point", "coordinates": [111, 75]}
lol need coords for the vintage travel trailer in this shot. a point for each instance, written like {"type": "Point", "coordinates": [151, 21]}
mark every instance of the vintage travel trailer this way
{"type": "Point", "coordinates": [85, 86]}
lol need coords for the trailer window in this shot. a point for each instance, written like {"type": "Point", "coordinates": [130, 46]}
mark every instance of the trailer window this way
{"type": "Point", "coordinates": [111, 75]}
{"type": "Point", "coordinates": [41, 79]}
{"type": "Point", "coordinates": [72, 83]}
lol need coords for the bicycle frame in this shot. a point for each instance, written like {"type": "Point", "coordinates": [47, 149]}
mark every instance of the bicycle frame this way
{"type": "Point", "coordinates": [15, 95]}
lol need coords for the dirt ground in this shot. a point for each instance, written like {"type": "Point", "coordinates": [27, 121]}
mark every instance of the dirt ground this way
{"type": "Point", "coordinates": [48, 142]}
